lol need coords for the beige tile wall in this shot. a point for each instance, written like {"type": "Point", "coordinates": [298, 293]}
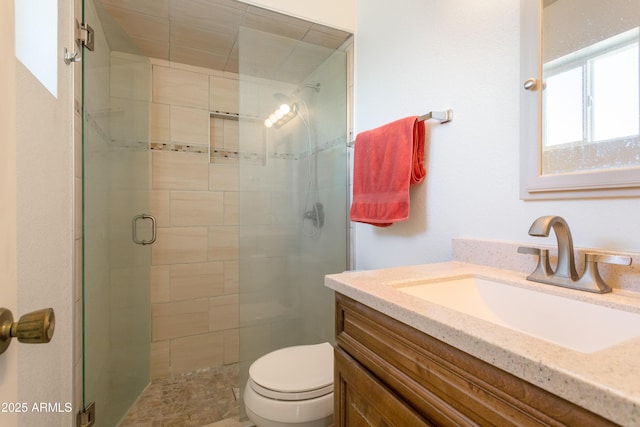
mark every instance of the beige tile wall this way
{"type": "Point", "coordinates": [194, 275]}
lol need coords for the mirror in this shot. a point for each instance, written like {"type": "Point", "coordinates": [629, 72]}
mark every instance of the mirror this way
{"type": "Point", "coordinates": [581, 98]}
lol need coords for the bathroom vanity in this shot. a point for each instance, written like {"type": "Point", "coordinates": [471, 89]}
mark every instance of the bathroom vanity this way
{"type": "Point", "coordinates": [404, 360]}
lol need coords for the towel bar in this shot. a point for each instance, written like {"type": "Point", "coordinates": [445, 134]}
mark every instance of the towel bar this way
{"type": "Point", "coordinates": [441, 116]}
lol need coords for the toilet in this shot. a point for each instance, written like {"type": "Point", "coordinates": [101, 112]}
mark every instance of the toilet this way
{"type": "Point", "coordinates": [291, 387]}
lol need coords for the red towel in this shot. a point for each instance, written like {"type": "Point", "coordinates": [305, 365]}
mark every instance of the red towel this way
{"type": "Point", "coordinates": [387, 160]}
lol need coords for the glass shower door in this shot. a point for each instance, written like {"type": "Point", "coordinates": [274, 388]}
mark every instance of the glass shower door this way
{"type": "Point", "coordinates": [116, 188]}
{"type": "Point", "coordinates": [293, 188]}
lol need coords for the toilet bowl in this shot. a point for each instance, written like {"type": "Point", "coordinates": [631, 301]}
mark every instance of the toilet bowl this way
{"type": "Point", "coordinates": [291, 387]}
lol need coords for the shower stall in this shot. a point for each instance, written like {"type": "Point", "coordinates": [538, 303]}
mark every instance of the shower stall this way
{"type": "Point", "coordinates": [245, 171]}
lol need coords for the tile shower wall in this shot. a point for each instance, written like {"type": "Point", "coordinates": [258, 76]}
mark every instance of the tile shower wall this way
{"type": "Point", "coordinates": [194, 273]}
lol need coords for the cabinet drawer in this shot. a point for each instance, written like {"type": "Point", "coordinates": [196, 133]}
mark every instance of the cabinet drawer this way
{"type": "Point", "coordinates": [365, 401]}
{"type": "Point", "coordinates": [443, 384]}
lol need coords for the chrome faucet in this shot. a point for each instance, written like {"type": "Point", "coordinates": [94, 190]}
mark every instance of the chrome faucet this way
{"type": "Point", "coordinates": [565, 273]}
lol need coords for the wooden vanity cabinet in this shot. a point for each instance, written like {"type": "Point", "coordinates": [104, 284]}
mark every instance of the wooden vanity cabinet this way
{"type": "Point", "coordinates": [390, 374]}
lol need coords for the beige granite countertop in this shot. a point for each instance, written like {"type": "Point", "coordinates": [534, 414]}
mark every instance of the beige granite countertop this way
{"type": "Point", "coordinates": [606, 382]}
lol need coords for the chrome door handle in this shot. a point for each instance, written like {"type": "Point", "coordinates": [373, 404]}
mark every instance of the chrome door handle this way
{"type": "Point", "coordinates": [36, 327]}
{"type": "Point", "coordinates": [135, 229]}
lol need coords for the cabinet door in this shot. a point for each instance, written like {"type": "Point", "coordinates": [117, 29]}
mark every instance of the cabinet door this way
{"type": "Point", "coordinates": [433, 380]}
{"type": "Point", "coordinates": [360, 400]}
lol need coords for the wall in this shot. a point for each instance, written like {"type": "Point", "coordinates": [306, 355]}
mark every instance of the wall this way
{"type": "Point", "coordinates": [45, 230]}
{"type": "Point", "coordinates": [194, 274]}
{"type": "Point", "coordinates": [463, 55]}
{"type": "Point", "coordinates": [8, 264]}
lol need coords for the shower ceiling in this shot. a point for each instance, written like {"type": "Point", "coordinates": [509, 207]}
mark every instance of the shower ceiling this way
{"type": "Point", "coordinates": [204, 33]}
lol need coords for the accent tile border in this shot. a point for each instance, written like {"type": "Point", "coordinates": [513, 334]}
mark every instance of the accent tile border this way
{"type": "Point", "coordinates": [180, 148]}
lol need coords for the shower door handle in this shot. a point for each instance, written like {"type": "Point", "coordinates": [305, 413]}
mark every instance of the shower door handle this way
{"type": "Point", "coordinates": [135, 229]}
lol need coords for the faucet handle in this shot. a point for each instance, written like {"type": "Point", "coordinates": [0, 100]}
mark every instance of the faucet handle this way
{"type": "Point", "coordinates": [608, 259]}
{"type": "Point", "coordinates": [528, 250]}
{"type": "Point", "coordinates": [591, 280]}
{"type": "Point", "coordinates": [543, 269]}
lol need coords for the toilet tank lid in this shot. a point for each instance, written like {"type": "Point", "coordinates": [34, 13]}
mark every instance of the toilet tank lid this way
{"type": "Point", "coordinates": [295, 369]}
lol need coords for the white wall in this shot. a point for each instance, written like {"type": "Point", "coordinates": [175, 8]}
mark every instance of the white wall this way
{"type": "Point", "coordinates": [423, 55]}
{"type": "Point", "coordinates": [45, 219]}
{"type": "Point", "coordinates": [8, 265]}
{"type": "Point", "coordinates": [339, 14]}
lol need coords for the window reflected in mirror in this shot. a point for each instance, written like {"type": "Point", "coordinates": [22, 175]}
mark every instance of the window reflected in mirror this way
{"type": "Point", "coordinates": [591, 91]}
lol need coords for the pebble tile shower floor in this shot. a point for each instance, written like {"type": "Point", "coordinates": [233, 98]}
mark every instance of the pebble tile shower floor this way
{"type": "Point", "coordinates": [207, 397]}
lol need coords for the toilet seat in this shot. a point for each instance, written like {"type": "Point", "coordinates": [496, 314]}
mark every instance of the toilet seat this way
{"type": "Point", "coordinates": [294, 373]}
{"type": "Point", "coordinates": [278, 395]}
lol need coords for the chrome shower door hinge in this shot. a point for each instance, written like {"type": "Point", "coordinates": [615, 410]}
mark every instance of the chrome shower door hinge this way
{"type": "Point", "coordinates": [87, 417]}
{"type": "Point", "coordinates": [84, 35]}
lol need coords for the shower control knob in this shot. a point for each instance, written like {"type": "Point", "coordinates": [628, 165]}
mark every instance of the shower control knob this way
{"type": "Point", "coordinates": [36, 327]}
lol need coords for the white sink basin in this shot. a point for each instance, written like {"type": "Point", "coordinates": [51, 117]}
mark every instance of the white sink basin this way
{"type": "Point", "coordinates": [577, 325]}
